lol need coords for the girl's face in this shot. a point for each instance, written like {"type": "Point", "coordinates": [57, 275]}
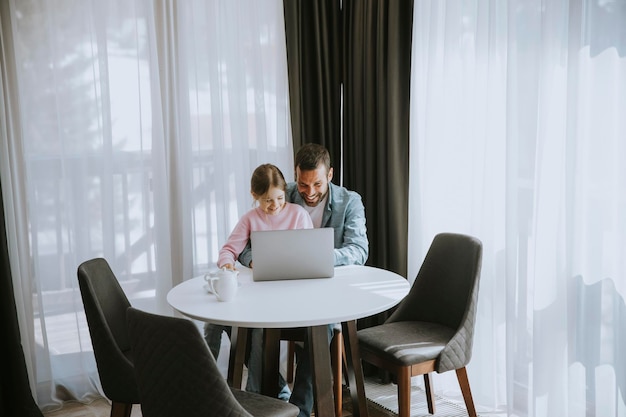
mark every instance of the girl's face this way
{"type": "Point", "coordinates": [272, 202]}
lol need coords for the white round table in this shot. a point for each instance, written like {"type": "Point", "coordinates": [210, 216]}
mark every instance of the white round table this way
{"type": "Point", "coordinates": [354, 292]}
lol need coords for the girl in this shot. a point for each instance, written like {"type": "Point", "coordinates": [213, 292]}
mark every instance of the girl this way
{"type": "Point", "coordinates": [272, 212]}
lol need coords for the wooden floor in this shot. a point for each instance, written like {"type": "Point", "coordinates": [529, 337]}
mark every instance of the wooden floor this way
{"type": "Point", "coordinates": [97, 408]}
{"type": "Point", "coordinates": [101, 408]}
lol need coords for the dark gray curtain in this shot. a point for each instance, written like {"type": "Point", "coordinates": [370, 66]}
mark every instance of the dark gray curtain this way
{"type": "Point", "coordinates": [366, 47]}
{"type": "Point", "coordinates": [377, 84]}
{"type": "Point", "coordinates": [314, 59]}
{"type": "Point", "coordinates": [16, 399]}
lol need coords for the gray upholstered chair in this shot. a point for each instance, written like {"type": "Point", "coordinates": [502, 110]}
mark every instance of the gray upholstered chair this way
{"type": "Point", "coordinates": [178, 376]}
{"type": "Point", "coordinates": [433, 327]}
{"type": "Point", "coordinates": [105, 308]}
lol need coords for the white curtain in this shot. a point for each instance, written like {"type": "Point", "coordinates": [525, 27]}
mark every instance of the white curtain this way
{"type": "Point", "coordinates": [518, 135]}
{"type": "Point", "coordinates": [130, 130]}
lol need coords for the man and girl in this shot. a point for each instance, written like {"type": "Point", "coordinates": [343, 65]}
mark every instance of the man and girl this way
{"type": "Point", "coordinates": [311, 201]}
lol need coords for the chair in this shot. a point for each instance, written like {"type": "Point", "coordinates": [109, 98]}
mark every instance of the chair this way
{"type": "Point", "coordinates": [337, 356]}
{"type": "Point", "coordinates": [433, 327]}
{"type": "Point", "coordinates": [105, 308]}
{"type": "Point", "coordinates": [178, 376]}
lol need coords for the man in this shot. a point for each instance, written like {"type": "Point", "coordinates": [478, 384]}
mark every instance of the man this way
{"type": "Point", "coordinates": [329, 206]}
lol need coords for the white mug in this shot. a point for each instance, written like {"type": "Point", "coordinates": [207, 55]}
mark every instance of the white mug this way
{"type": "Point", "coordinates": [223, 283]}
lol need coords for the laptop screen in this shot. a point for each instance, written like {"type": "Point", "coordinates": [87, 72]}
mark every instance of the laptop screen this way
{"type": "Point", "coordinates": [292, 254]}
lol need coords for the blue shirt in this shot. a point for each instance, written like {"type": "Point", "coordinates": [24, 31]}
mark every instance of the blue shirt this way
{"type": "Point", "coordinates": [345, 213]}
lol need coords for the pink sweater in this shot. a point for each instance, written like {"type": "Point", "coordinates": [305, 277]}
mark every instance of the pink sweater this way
{"type": "Point", "coordinates": [292, 216]}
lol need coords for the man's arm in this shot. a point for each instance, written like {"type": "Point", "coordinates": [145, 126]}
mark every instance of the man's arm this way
{"type": "Point", "coordinates": [245, 257]}
{"type": "Point", "coordinates": [354, 247]}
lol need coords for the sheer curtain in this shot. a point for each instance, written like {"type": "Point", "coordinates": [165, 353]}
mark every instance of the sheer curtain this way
{"type": "Point", "coordinates": [132, 131]}
{"type": "Point", "coordinates": [517, 137]}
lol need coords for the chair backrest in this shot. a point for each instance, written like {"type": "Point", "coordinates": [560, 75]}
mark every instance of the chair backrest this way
{"type": "Point", "coordinates": [445, 292]}
{"type": "Point", "coordinates": [105, 308]}
{"type": "Point", "coordinates": [176, 372]}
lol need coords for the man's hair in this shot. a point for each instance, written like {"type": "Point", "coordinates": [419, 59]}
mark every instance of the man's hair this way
{"type": "Point", "coordinates": [265, 177]}
{"type": "Point", "coordinates": [310, 156]}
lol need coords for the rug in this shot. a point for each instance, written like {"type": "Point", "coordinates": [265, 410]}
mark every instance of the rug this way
{"type": "Point", "coordinates": [385, 396]}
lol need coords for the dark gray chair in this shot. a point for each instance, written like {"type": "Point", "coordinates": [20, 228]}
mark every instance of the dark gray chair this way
{"type": "Point", "coordinates": [178, 376]}
{"type": "Point", "coordinates": [433, 327]}
{"type": "Point", "coordinates": [105, 308]}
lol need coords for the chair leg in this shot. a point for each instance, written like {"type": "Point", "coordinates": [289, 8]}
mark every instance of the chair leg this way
{"type": "Point", "coordinates": [430, 397]}
{"type": "Point", "coordinates": [461, 375]}
{"type": "Point", "coordinates": [336, 349]}
{"type": "Point", "coordinates": [121, 409]}
{"type": "Point", "coordinates": [291, 354]}
{"type": "Point", "coordinates": [404, 392]}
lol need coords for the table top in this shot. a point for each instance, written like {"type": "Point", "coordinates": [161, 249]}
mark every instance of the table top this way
{"type": "Point", "coordinates": [354, 292]}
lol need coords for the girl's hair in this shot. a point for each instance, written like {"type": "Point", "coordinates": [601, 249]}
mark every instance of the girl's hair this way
{"type": "Point", "coordinates": [265, 177]}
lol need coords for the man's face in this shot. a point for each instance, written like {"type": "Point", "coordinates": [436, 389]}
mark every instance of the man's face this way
{"type": "Point", "coordinates": [313, 184]}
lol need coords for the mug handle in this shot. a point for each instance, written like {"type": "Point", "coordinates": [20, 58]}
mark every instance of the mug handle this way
{"type": "Point", "coordinates": [213, 289]}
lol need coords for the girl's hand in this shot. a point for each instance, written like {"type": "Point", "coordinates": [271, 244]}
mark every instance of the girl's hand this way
{"type": "Point", "coordinates": [230, 267]}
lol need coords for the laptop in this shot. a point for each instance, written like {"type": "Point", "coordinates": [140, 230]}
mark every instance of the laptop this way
{"type": "Point", "coordinates": [292, 254]}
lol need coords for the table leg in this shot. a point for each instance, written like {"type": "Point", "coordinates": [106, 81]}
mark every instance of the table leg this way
{"type": "Point", "coordinates": [271, 362]}
{"type": "Point", "coordinates": [236, 361]}
{"type": "Point", "coordinates": [320, 367]}
{"type": "Point", "coordinates": [354, 369]}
